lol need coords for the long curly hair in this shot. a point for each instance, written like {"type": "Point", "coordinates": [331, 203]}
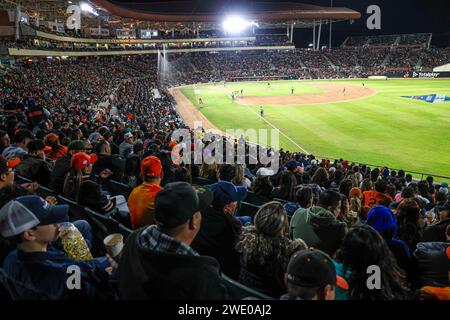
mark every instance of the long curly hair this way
{"type": "Point", "coordinates": [409, 227]}
{"type": "Point", "coordinates": [262, 186]}
{"type": "Point", "coordinates": [362, 247]}
{"type": "Point", "coordinates": [266, 242]}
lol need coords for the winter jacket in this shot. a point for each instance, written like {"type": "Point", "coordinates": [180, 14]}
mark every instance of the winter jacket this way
{"type": "Point", "coordinates": [319, 228]}
{"type": "Point", "coordinates": [145, 274]}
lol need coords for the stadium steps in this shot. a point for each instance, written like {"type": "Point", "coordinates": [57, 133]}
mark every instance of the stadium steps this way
{"type": "Point", "coordinates": [330, 62]}
{"type": "Point", "coordinates": [193, 67]}
{"type": "Point", "coordinates": [419, 63]}
{"type": "Point", "coordinates": [386, 60]}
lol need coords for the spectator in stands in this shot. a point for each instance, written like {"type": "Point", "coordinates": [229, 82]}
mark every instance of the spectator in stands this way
{"type": "Point", "coordinates": [436, 233]}
{"type": "Point", "coordinates": [310, 275]}
{"type": "Point", "coordinates": [158, 261]}
{"type": "Point", "coordinates": [318, 226]}
{"type": "Point", "coordinates": [226, 172]}
{"type": "Point", "coordinates": [239, 178]}
{"type": "Point", "coordinates": [433, 260]}
{"type": "Point", "coordinates": [410, 223]}
{"type": "Point", "coordinates": [345, 214]}
{"type": "Point", "coordinates": [262, 186]}
{"type": "Point", "coordinates": [366, 185]}
{"type": "Point", "coordinates": [209, 171]}
{"type": "Point", "coordinates": [377, 196]}
{"type": "Point", "coordinates": [362, 247]}
{"type": "Point", "coordinates": [424, 191]}
{"type": "Point", "coordinates": [7, 174]}
{"type": "Point", "coordinates": [142, 199]}
{"type": "Point", "coordinates": [304, 199]}
{"type": "Point", "coordinates": [383, 220]}
{"type": "Point", "coordinates": [33, 166]}
{"type": "Point", "coordinates": [356, 209]}
{"type": "Point", "coordinates": [19, 148]}
{"type": "Point", "coordinates": [345, 187]}
{"type": "Point", "coordinates": [220, 229]}
{"type": "Point", "coordinates": [80, 168]}
{"type": "Point", "coordinates": [321, 178]}
{"type": "Point", "coordinates": [4, 140]}
{"type": "Point", "coordinates": [408, 179]}
{"type": "Point", "coordinates": [57, 150]}
{"type": "Point", "coordinates": [62, 165]}
{"type": "Point", "coordinates": [182, 174]}
{"type": "Point", "coordinates": [126, 147]}
{"type": "Point", "coordinates": [133, 165]}
{"type": "Point", "coordinates": [111, 163]}
{"type": "Point", "coordinates": [40, 266]}
{"type": "Point", "coordinates": [265, 250]}
{"type": "Point", "coordinates": [286, 187]}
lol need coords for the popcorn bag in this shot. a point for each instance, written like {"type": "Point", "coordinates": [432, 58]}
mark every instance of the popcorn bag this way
{"type": "Point", "coordinates": [74, 244]}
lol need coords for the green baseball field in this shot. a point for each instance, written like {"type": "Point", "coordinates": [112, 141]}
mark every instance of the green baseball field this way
{"type": "Point", "coordinates": [366, 121]}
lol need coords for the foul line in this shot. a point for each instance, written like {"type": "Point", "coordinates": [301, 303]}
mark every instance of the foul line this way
{"type": "Point", "coordinates": [287, 137]}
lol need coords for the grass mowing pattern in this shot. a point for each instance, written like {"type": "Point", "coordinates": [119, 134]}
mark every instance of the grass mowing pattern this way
{"type": "Point", "coordinates": [385, 129]}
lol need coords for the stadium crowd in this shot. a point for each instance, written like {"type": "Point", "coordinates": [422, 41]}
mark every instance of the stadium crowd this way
{"type": "Point", "coordinates": [89, 141]}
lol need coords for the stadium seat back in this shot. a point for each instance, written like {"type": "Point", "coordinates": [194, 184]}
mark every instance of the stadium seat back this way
{"type": "Point", "coordinates": [21, 179]}
{"type": "Point", "coordinates": [248, 209]}
{"type": "Point", "coordinates": [116, 188]}
{"type": "Point", "coordinates": [201, 181]}
{"type": "Point", "coordinates": [238, 291]}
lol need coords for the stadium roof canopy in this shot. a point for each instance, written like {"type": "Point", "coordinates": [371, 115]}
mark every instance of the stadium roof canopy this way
{"type": "Point", "coordinates": [213, 12]}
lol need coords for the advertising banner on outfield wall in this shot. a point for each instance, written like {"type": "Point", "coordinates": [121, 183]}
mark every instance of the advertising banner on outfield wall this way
{"type": "Point", "coordinates": [429, 75]}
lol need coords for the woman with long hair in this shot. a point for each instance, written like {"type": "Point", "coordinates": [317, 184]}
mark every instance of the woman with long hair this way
{"type": "Point", "coordinates": [239, 178]}
{"type": "Point", "coordinates": [410, 223]}
{"type": "Point", "coordinates": [345, 187]}
{"type": "Point", "coordinates": [209, 171]}
{"type": "Point", "coordinates": [364, 247]}
{"type": "Point", "coordinates": [286, 187]}
{"type": "Point", "coordinates": [79, 187]}
{"type": "Point", "coordinates": [266, 249]}
{"type": "Point", "coordinates": [262, 186]}
{"type": "Point", "coordinates": [321, 177]}
{"type": "Point", "coordinates": [81, 167]}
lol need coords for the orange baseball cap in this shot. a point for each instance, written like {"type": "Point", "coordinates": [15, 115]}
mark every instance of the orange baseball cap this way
{"type": "Point", "coordinates": [82, 160]}
{"type": "Point", "coordinates": [151, 167]}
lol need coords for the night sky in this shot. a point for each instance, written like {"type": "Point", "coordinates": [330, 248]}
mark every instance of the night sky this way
{"type": "Point", "coordinates": [397, 16]}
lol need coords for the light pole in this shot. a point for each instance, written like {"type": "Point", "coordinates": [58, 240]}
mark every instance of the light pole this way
{"type": "Point", "coordinates": [331, 26]}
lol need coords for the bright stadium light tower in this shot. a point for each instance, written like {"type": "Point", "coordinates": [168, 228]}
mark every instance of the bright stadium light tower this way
{"type": "Point", "coordinates": [235, 24]}
{"type": "Point", "coordinates": [88, 8]}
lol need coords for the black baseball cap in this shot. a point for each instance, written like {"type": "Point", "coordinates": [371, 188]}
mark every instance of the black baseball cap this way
{"type": "Point", "coordinates": [178, 202]}
{"type": "Point", "coordinates": [37, 145]}
{"type": "Point", "coordinates": [311, 268]}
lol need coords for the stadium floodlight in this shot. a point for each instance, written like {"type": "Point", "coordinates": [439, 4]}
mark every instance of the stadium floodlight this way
{"type": "Point", "coordinates": [234, 24]}
{"type": "Point", "coordinates": [88, 8]}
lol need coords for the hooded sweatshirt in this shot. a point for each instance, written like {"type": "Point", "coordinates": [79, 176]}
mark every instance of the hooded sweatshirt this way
{"type": "Point", "coordinates": [318, 228]}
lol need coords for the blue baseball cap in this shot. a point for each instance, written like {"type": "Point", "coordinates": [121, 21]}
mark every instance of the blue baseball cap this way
{"type": "Point", "coordinates": [225, 193]}
{"type": "Point", "coordinates": [292, 164]}
{"type": "Point", "coordinates": [27, 212]}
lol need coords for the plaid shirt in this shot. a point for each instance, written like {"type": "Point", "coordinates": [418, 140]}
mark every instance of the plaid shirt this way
{"type": "Point", "coordinates": [155, 240]}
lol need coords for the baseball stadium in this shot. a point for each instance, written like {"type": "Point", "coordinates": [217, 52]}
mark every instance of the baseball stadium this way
{"type": "Point", "coordinates": [129, 169]}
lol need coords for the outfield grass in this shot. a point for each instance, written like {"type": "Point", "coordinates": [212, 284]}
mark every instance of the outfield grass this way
{"type": "Point", "coordinates": [384, 129]}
